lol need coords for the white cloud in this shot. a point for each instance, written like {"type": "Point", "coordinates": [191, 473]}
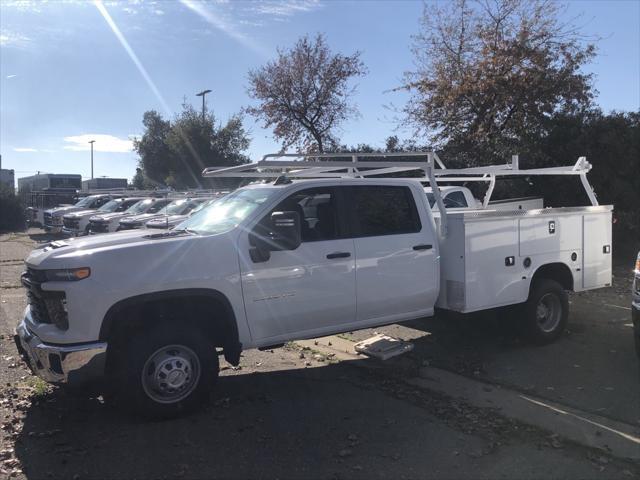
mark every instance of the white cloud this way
{"type": "Point", "coordinates": [25, 149]}
{"type": "Point", "coordinates": [11, 76]}
{"type": "Point", "coordinates": [285, 8]}
{"type": "Point", "coordinates": [157, 11]}
{"type": "Point", "coordinates": [225, 23]}
{"type": "Point", "coordinates": [14, 39]}
{"type": "Point", "coordinates": [103, 143]}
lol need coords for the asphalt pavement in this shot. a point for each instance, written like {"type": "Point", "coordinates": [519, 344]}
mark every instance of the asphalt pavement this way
{"type": "Point", "coordinates": [295, 412]}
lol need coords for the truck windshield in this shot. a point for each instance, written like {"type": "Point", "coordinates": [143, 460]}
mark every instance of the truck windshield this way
{"type": "Point", "coordinates": [176, 208]}
{"type": "Point", "coordinates": [86, 202]}
{"type": "Point", "coordinates": [110, 207]}
{"type": "Point", "coordinates": [227, 212]}
{"type": "Point", "coordinates": [139, 207]}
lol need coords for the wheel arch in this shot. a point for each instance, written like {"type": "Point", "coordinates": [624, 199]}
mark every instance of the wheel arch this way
{"type": "Point", "coordinates": [557, 271]}
{"type": "Point", "coordinates": [194, 302]}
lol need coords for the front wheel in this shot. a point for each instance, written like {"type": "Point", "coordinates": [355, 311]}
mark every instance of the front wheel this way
{"type": "Point", "coordinates": [546, 312]}
{"type": "Point", "coordinates": [165, 373]}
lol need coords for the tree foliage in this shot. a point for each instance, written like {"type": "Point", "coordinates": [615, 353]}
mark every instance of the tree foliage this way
{"type": "Point", "coordinates": [11, 210]}
{"type": "Point", "coordinates": [174, 153]}
{"type": "Point", "coordinates": [304, 94]}
{"type": "Point", "coordinates": [491, 73]}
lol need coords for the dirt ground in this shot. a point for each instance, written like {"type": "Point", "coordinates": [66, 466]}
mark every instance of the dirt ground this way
{"type": "Point", "coordinates": [295, 413]}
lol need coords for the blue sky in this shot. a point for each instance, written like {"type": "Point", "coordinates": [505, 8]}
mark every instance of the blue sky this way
{"type": "Point", "coordinates": [66, 76]}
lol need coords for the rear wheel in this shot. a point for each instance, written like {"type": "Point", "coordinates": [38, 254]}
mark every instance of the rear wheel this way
{"type": "Point", "coordinates": [546, 312]}
{"type": "Point", "coordinates": [164, 373]}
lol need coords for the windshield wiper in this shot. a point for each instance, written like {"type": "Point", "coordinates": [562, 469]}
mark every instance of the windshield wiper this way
{"type": "Point", "coordinates": [172, 233]}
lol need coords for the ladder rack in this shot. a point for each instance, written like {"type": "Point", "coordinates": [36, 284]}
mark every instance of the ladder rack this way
{"type": "Point", "coordinates": [427, 167]}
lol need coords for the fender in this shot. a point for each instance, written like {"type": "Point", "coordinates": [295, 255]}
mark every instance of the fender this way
{"type": "Point", "coordinates": [112, 314]}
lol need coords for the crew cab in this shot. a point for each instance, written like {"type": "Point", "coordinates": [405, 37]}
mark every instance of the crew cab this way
{"type": "Point", "coordinates": [110, 222]}
{"type": "Point", "coordinates": [286, 260]}
{"type": "Point", "coordinates": [53, 218]}
{"type": "Point", "coordinates": [77, 223]}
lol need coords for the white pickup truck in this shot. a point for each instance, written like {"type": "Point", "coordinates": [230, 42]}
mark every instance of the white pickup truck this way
{"type": "Point", "coordinates": [286, 260]}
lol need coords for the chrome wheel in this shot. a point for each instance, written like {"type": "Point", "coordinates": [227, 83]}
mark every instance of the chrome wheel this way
{"type": "Point", "coordinates": [548, 312]}
{"type": "Point", "coordinates": [171, 374]}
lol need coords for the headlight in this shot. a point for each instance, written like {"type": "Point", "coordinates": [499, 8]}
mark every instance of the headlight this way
{"type": "Point", "coordinates": [68, 274]}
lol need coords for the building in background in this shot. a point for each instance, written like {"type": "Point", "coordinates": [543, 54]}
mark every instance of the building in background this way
{"type": "Point", "coordinates": [104, 183]}
{"type": "Point", "coordinates": [43, 182]}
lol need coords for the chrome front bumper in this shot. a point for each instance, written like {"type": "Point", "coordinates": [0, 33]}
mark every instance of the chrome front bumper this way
{"type": "Point", "coordinates": [61, 364]}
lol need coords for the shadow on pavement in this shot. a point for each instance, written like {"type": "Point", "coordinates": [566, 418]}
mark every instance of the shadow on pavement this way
{"type": "Point", "coordinates": [317, 423]}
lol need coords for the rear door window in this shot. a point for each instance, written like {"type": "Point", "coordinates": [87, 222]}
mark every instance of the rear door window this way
{"type": "Point", "coordinates": [383, 210]}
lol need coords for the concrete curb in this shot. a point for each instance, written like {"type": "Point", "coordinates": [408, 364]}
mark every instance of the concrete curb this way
{"type": "Point", "coordinates": [616, 438]}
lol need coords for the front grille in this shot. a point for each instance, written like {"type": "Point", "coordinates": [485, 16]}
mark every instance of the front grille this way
{"type": "Point", "coordinates": [99, 227]}
{"type": "Point", "coordinates": [31, 279]}
{"type": "Point", "coordinates": [72, 223]}
{"type": "Point", "coordinates": [46, 307]}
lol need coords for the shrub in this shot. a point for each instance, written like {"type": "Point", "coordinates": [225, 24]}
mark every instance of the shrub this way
{"type": "Point", "coordinates": [11, 210]}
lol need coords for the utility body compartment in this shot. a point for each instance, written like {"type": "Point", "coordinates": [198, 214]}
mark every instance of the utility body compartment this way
{"type": "Point", "coordinates": [488, 258]}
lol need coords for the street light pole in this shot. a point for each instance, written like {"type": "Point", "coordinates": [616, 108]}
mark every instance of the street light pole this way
{"type": "Point", "coordinates": [203, 94]}
{"type": "Point", "coordinates": [92, 142]}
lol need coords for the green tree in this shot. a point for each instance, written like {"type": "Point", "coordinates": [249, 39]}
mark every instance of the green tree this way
{"type": "Point", "coordinates": [304, 94]}
{"type": "Point", "coordinates": [12, 213]}
{"type": "Point", "coordinates": [156, 158]}
{"type": "Point", "coordinates": [138, 179]}
{"type": "Point", "coordinates": [175, 153]}
{"type": "Point", "coordinates": [490, 74]}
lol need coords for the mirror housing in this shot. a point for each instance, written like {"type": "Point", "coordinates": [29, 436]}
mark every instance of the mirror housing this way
{"type": "Point", "coordinates": [286, 234]}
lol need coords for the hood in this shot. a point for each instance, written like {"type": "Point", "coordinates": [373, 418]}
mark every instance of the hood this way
{"type": "Point", "coordinates": [78, 252]}
{"type": "Point", "coordinates": [110, 216]}
{"type": "Point", "coordinates": [80, 214]}
{"type": "Point", "coordinates": [59, 211]}
{"type": "Point", "coordinates": [171, 220]}
{"type": "Point", "coordinates": [143, 217]}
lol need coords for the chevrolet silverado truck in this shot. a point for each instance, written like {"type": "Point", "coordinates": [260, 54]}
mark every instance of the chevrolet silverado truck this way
{"type": "Point", "coordinates": [171, 220]}
{"type": "Point", "coordinates": [176, 207]}
{"type": "Point", "coordinates": [148, 313]}
{"type": "Point", "coordinates": [110, 222]}
{"type": "Point", "coordinates": [53, 218]}
{"type": "Point", "coordinates": [77, 223]}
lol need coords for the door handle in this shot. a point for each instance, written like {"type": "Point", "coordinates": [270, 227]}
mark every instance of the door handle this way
{"type": "Point", "coordinates": [339, 255]}
{"type": "Point", "coordinates": [423, 247]}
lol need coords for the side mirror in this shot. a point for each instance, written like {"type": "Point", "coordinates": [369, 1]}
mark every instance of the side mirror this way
{"type": "Point", "coordinates": [285, 234]}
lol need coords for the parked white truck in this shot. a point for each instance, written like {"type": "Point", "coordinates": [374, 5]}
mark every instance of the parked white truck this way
{"type": "Point", "coordinates": [293, 259]}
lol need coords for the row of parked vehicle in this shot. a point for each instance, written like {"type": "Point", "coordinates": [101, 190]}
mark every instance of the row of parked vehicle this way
{"type": "Point", "coordinates": [106, 213]}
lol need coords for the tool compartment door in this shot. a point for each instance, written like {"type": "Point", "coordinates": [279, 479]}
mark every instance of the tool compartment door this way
{"type": "Point", "coordinates": [596, 270]}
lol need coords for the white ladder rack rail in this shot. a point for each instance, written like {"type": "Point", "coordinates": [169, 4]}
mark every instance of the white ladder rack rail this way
{"type": "Point", "coordinates": [324, 165]}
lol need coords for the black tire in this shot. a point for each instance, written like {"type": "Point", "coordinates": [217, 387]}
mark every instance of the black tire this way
{"type": "Point", "coordinates": [132, 391]}
{"type": "Point", "coordinates": [546, 312]}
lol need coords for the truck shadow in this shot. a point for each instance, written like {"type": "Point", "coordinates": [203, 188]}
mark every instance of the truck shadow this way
{"type": "Point", "coordinates": [302, 422]}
